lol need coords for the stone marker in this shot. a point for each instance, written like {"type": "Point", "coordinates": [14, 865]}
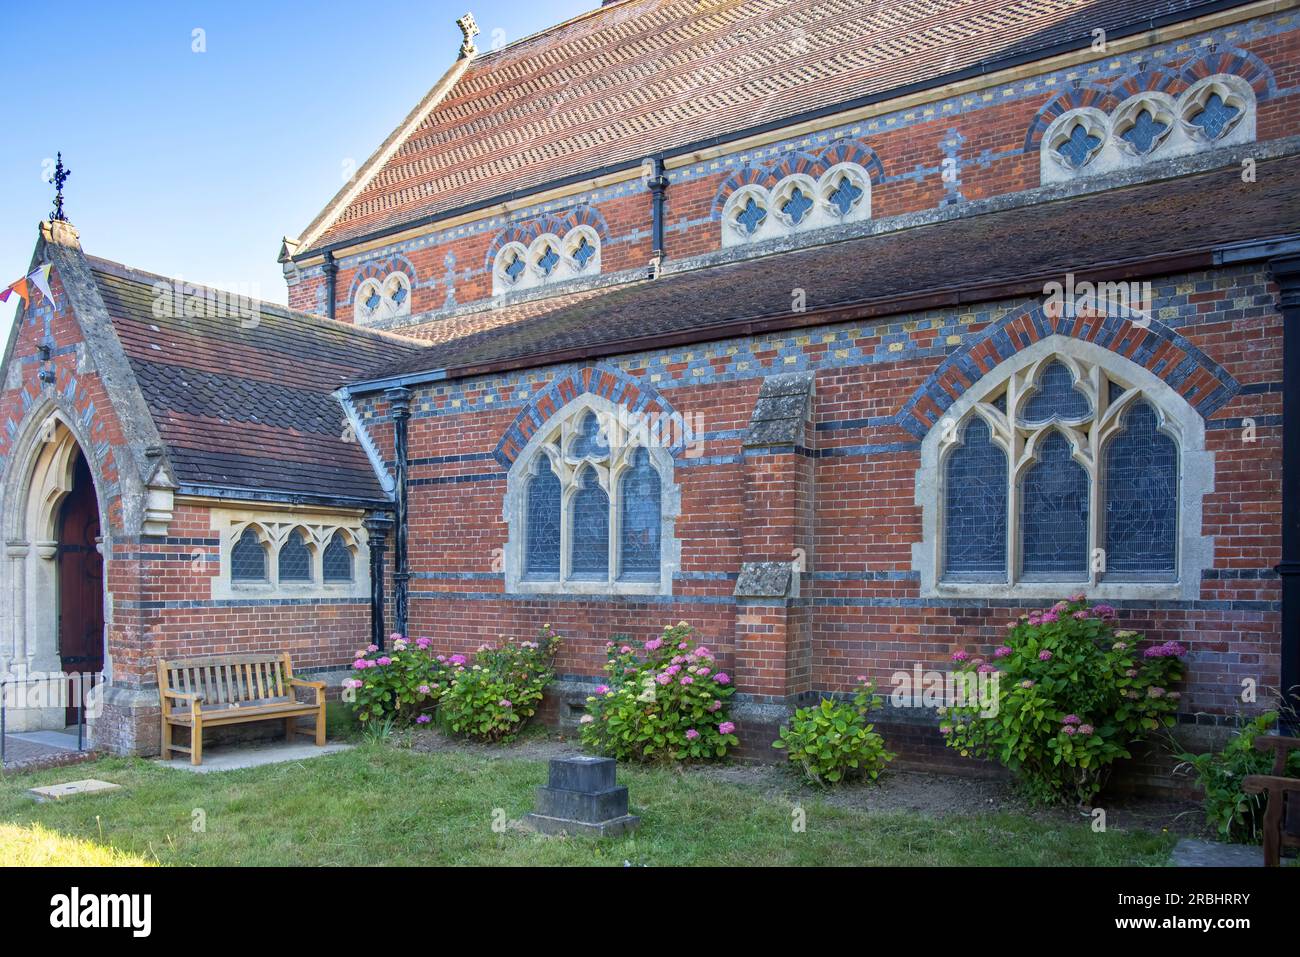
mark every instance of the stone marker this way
{"type": "Point", "coordinates": [57, 792]}
{"type": "Point", "coordinates": [582, 798]}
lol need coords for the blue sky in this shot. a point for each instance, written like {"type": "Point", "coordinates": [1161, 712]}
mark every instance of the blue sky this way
{"type": "Point", "coordinates": [196, 164]}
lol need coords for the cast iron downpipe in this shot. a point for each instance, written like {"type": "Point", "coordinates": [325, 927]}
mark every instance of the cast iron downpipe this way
{"type": "Point", "coordinates": [399, 404]}
{"type": "Point", "coordinates": [331, 270]}
{"type": "Point", "coordinates": [377, 526]}
{"type": "Point", "coordinates": [657, 182]}
{"type": "Point", "coordinates": [1286, 272]}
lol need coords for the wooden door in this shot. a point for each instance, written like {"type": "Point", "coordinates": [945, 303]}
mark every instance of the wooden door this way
{"type": "Point", "coordinates": [81, 582]}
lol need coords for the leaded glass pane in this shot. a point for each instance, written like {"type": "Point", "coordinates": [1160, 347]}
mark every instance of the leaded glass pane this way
{"type": "Point", "coordinates": [295, 559]}
{"type": "Point", "coordinates": [590, 441]}
{"type": "Point", "coordinates": [548, 261]}
{"type": "Point", "coordinates": [1141, 482]}
{"type": "Point", "coordinates": [1079, 147]}
{"type": "Point", "coordinates": [590, 539]}
{"type": "Point", "coordinates": [639, 544]}
{"type": "Point", "coordinates": [751, 216]}
{"type": "Point", "coordinates": [1054, 513]}
{"type": "Point", "coordinates": [248, 558]}
{"type": "Point", "coordinates": [1056, 398]}
{"type": "Point", "coordinates": [583, 252]}
{"type": "Point", "coordinates": [1215, 117]}
{"type": "Point", "coordinates": [1145, 132]}
{"type": "Point", "coordinates": [337, 560]}
{"type": "Point", "coordinates": [514, 269]}
{"type": "Point", "coordinates": [373, 300]}
{"type": "Point", "coordinates": [975, 507]}
{"type": "Point", "coordinates": [542, 550]}
{"type": "Point", "coordinates": [846, 195]}
{"type": "Point", "coordinates": [797, 206]}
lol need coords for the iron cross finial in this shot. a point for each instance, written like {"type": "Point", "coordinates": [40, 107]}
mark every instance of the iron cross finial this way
{"type": "Point", "coordinates": [61, 174]}
{"type": "Point", "coordinates": [469, 28]}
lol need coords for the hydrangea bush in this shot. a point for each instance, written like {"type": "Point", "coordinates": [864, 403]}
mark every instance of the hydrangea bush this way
{"type": "Point", "coordinates": [1072, 694]}
{"type": "Point", "coordinates": [667, 702]}
{"type": "Point", "coordinates": [832, 741]}
{"type": "Point", "coordinates": [402, 684]}
{"type": "Point", "coordinates": [493, 698]}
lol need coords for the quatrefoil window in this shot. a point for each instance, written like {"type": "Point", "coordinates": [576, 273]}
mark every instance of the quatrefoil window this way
{"type": "Point", "coordinates": [1145, 133]}
{"type": "Point", "coordinates": [1215, 118]}
{"type": "Point", "coordinates": [751, 216]}
{"type": "Point", "coordinates": [1079, 146]}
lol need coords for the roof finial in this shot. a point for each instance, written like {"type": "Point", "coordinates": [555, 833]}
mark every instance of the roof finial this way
{"type": "Point", "coordinates": [469, 28]}
{"type": "Point", "coordinates": [61, 174]}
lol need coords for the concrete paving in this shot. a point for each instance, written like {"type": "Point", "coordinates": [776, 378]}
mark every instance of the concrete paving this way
{"type": "Point", "coordinates": [32, 747]}
{"type": "Point", "coordinates": [235, 756]}
{"type": "Point", "coordinates": [1190, 852]}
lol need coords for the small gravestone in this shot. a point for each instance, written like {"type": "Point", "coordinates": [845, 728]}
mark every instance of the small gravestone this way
{"type": "Point", "coordinates": [581, 797]}
{"type": "Point", "coordinates": [57, 792]}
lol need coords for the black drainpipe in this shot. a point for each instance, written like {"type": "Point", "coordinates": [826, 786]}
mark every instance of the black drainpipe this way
{"type": "Point", "coordinates": [1286, 272]}
{"type": "Point", "coordinates": [399, 402]}
{"type": "Point", "coordinates": [657, 181]}
{"type": "Point", "coordinates": [331, 269]}
{"type": "Point", "coordinates": [377, 526]}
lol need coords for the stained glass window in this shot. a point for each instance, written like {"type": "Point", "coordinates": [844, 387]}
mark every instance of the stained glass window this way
{"type": "Point", "coordinates": [797, 206]}
{"type": "Point", "coordinates": [1141, 482]}
{"type": "Point", "coordinates": [295, 559]}
{"type": "Point", "coordinates": [399, 293]}
{"type": "Point", "coordinates": [542, 551]}
{"type": "Point", "coordinates": [1145, 132]}
{"type": "Point", "coordinates": [1056, 398]}
{"type": "Point", "coordinates": [583, 253]}
{"type": "Point", "coordinates": [337, 560]}
{"type": "Point", "coordinates": [845, 195]}
{"type": "Point", "coordinates": [548, 260]}
{"type": "Point", "coordinates": [373, 300]}
{"type": "Point", "coordinates": [1215, 117]}
{"type": "Point", "coordinates": [590, 537]}
{"type": "Point", "coordinates": [515, 267]}
{"type": "Point", "coordinates": [975, 515]}
{"type": "Point", "coordinates": [1054, 513]}
{"type": "Point", "coordinates": [248, 558]}
{"type": "Point", "coordinates": [639, 535]}
{"type": "Point", "coordinates": [590, 442]}
{"type": "Point", "coordinates": [751, 216]}
{"type": "Point", "coordinates": [1078, 148]}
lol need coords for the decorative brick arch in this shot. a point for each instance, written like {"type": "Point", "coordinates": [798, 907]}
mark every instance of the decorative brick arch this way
{"type": "Point", "coordinates": [1234, 62]}
{"type": "Point", "coordinates": [379, 270]}
{"type": "Point", "coordinates": [1097, 97]}
{"type": "Point", "coordinates": [1201, 381]}
{"type": "Point", "coordinates": [525, 231]}
{"type": "Point", "coordinates": [799, 162]}
{"type": "Point", "coordinates": [610, 383]}
{"type": "Point", "coordinates": [1146, 80]}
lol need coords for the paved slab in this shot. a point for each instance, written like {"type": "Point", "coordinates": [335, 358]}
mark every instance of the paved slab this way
{"type": "Point", "coordinates": [235, 756]}
{"type": "Point", "coordinates": [1190, 852]}
{"type": "Point", "coordinates": [58, 792]}
{"type": "Point", "coordinates": [64, 740]}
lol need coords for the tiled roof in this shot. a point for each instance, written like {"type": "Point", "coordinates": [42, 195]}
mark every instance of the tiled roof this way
{"type": "Point", "coordinates": [978, 256]}
{"type": "Point", "coordinates": [243, 401]}
{"type": "Point", "coordinates": [640, 77]}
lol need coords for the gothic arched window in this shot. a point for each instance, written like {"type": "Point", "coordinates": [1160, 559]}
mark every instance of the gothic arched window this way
{"type": "Point", "coordinates": [1061, 473]}
{"type": "Point", "coordinates": [586, 505]}
{"type": "Point", "coordinates": [248, 558]}
{"type": "Point", "coordinates": [295, 559]}
{"type": "Point", "coordinates": [337, 561]}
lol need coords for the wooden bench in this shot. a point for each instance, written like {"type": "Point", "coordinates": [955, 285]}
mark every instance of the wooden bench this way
{"type": "Point", "coordinates": [1282, 811]}
{"type": "Point", "coordinates": [216, 690]}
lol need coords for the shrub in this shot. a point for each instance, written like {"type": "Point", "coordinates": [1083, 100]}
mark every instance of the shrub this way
{"type": "Point", "coordinates": [493, 698]}
{"type": "Point", "coordinates": [398, 686]}
{"type": "Point", "coordinates": [832, 741]}
{"type": "Point", "coordinates": [669, 704]}
{"type": "Point", "coordinates": [1234, 814]}
{"type": "Point", "coordinates": [1072, 693]}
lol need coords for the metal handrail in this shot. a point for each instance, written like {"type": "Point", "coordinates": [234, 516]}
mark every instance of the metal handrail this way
{"type": "Point", "coordinates": [87, 682]}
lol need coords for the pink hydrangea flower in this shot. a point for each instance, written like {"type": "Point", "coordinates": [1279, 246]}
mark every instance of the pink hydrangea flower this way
{"type": "Point", "coordinates": [601, 689]}
{"type": "Point", "coordinates": [360, 654]}
{"type": "Point", "coordinates": [1071, 719]}
{"type": "Point", "coordinates": [1104, 612]}
{"type": "Point", "coordinates": [722, 678]}
{"type": "Point", "coordinates": [505, 703]}
{"type": "Point", "coordinates": [1044, 655]}
{"type": "Point", "coordinates": [397, 636]}
{"type": "Point", "coordinates": [424, 689]}
{"type": "Point", "coordinates": [1068, 729]}
{"type": "Point", "coordinates": [1001, 651]}
{"type": "Point", "coordinates": [663, 678]}
{"type": "Point", "coordinates": [703, 672]}
{"type": "Point", "coordinates": [1085, 729]}
{"type": "Point", "coordinates": [1048, 617]}
{"type": "Point", "coordinates": [1081, 615]}
{"type": "Point", "coordinates": [726, 727]}
{"type": "Point", "coordinates": [687, 680]}
{"type": "Point", "coordinates": [385, 660]}
{"type": "Point", "coordinates": [625, 650]}
{"type": "Point", "coordinates": [457, 660]}
{"type": "Point", "coordinates": [586, 719]}
{"type": "Point", "coordinates": [372, 648]}
{"type": "Point", "coordinates": [423, 719]}
{"type": "Point", "coordinates": [683, 646]}
{"type": "Point", "coordinates": [654, 644]}
{"type": "Point", "coordinates": [987, 669]}
{"type": "Point", "coordinates": [691, 734]}
{"type": "Point", "coordinates": [1027, 683]}
{"type": "Point", "coordinates": [715, 706]}
{"type": "Point", "coordinates": [960, 655]}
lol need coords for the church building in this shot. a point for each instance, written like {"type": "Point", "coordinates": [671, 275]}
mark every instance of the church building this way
{"type": "Point", "coordinates": [844, 332]}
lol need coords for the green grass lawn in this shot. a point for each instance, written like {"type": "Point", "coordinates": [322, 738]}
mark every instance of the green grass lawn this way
{"type": "Point", "coordinates": [378, 804]}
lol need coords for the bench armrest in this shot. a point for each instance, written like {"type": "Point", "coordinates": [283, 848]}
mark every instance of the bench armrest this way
{"type": "Point", "coordinates": [319, 686]}
{"type": "Point", "coordinates": [183, 695]}
{"type": "Point", "coordinates": [1262, 783]}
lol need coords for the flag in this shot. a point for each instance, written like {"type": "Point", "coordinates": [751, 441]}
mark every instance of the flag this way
{"type": "Point", "coordinates": [41, 277]}
{"type": "Point", "coordinates": [19, 287]}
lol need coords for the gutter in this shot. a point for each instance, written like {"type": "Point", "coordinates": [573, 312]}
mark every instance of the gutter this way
{"type": "Point", "coordinates": [236, 493]}
{"type": "Point", "coordinates": [972, 72]}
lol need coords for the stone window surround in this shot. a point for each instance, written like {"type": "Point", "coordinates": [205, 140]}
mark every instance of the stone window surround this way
{"type": "Point", "coordinates": [823, 214]}
{"type": "Point", "coordinates": [559, 430]}
{"type": "Point", "coordinates": [533, 275]}
{"type": "Point", "coordinates": [273, 529]}
{"type": "Point", "coordinates": [387, 288]}
{"type": "Point", "coordinates": [1181, 138]}
{"type": "Point", "coordinates": [1195, 551]}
